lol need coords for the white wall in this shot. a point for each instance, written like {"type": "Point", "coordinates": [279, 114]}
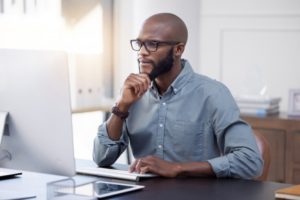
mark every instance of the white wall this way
{"type": "Point", "coordinates": [246, 44]}
{"type": "Point", "coordinates": [251, 44]}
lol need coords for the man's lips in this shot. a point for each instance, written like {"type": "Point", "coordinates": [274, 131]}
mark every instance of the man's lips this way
{"type": "Point", "coordinates": [145, 64]}
{"type": "Point", "coordinates": [144, 61]}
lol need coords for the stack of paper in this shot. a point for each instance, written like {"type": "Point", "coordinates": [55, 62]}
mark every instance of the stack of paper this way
{"type": "Point", "coordinates": [258, 106]}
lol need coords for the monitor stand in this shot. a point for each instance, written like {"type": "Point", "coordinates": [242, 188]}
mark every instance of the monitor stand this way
{"type": "Point", "coordinates": [4, 154]}
{"type": "Point", "coordinates": [3, 116]}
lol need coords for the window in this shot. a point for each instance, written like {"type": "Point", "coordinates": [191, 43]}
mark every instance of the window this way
{"type": "Point", "coordinates": [83, 28]}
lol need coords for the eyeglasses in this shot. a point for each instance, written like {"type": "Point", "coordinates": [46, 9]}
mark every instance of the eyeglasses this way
{"type": "Point", "coordinates": [150, 45]}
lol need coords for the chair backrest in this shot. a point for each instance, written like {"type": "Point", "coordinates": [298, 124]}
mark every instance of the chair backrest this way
{"type": "Point", "coordinates": [264, 148]}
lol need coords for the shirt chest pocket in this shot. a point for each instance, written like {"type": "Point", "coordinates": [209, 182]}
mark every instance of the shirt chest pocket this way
{"type": "Point", "coordinates": [187, 139]}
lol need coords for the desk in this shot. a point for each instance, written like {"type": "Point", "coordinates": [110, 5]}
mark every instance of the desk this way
{"type": "Point", "coordinates": [159, 188]}
{"type": "Point", "coordinates": [212, 189]}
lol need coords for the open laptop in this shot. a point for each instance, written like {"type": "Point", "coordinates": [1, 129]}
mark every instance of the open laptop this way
{"type": "Point", "coordinates": [8, 173]}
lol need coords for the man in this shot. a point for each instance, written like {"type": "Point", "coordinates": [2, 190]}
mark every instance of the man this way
{"type": "Point", "coordinates": [180, 123]}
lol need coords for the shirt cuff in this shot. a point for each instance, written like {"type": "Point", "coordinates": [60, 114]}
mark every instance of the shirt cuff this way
{"type": "Point", "coordinates": [220, 166]}
{"type": "Point", "coordinates": [105, 138]}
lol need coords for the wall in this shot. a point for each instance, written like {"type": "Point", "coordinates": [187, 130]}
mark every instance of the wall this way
{"type": "Point", "coordinates": [245, 44]}
{"type": "Point", "coordinates": [249, 45]}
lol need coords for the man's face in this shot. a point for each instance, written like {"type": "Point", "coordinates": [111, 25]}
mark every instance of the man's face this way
{"type": "Point", "coordinates": [162, 66]}
{"type": "Point", "coordinates": [160, 60]}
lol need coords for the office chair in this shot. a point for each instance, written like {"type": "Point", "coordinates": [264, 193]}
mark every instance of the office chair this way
{"type": "Point", "coordinates": [264, 148]}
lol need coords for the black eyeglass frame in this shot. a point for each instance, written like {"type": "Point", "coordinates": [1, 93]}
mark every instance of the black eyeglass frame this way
{"type": "Point", "coordinates": [156, 42]}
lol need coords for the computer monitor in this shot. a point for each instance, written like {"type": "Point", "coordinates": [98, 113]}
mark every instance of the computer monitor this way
{"type": "Point", "coordinates": [34, 89]}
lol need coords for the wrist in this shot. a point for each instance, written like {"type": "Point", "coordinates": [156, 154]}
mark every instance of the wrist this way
{"type": "Point", "coordinates": [123, 107]}
{"type": "Point", "coordinates": [116, 111]}
{"type": "Point", "coordinates": [178, 169]}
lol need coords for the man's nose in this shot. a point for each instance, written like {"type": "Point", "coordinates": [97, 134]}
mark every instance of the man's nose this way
{"type": "Point", "coordinates": [143, 50]}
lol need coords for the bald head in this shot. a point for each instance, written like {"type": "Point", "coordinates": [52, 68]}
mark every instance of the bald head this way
{"type": "Point", "coordinates": [165, 26]}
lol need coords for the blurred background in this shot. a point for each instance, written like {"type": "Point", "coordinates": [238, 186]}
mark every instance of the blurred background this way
{"type": "Point", "coordinates": [252, 46]}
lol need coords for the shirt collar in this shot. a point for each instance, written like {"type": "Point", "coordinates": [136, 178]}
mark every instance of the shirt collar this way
{"type": "Point", "coordinates": [180, 80]}
{"type": "Point", "coordinates": [183, 77]}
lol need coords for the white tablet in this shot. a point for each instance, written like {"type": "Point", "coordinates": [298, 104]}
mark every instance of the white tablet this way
{"type": "Point", "coordinates": [101, 189]}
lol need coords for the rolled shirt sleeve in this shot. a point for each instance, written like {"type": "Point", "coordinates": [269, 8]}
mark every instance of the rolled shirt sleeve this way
{"type": "Point", "coordinates": [107, 151]}
{"type": "Point", "coordinates": [240, 157]}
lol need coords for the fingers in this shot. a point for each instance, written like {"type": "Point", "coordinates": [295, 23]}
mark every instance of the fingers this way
{"type": "Point", "coordinates": [155, 165]}
{"type": "Point", "coordinates": [136, 166]}
{"type": "Point", "coordinates": [145, 169]}
{"type": "Point", "coordinates": [138, 82]}
{"type": "Point", "coordinates": [142, 165]}
{"type": "Point", "coordinates": [143, 81]}
{"type": "Point", "coordinates": [134, 87]}
{"type": "Point", "coordinates": [133, 166]}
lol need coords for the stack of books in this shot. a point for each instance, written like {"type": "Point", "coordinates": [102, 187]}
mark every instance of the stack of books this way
{"type": "Point", "coordinates": [292, 193]}
{"type": "Point", "coordinates": [258, 106]}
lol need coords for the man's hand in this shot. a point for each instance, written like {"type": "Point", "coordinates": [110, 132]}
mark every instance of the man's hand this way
{"type": "Point", "coordinates": [134, 87]}
{"type": "Point", "coordinates": [155, 165]}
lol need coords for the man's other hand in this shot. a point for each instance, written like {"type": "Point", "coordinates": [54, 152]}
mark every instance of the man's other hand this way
{"type": "Point", "coordinates": [155, 165]}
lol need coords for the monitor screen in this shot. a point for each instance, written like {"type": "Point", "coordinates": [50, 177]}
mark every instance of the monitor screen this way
{"type": "Point", "coordinates": [34, 90]}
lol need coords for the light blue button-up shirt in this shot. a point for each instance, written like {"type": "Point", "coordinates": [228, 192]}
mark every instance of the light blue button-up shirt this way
{"type": "Point", "coordinates": [196, 119]}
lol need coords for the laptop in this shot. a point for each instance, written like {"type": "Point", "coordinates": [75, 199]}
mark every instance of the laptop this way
{"type": "Point", "coordinates": [8, 173]}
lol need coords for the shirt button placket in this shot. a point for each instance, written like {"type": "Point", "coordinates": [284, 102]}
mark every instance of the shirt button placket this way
{"type": "Point", "coordinates": [161, 131]}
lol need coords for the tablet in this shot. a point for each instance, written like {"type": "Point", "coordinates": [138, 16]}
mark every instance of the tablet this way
{"type": "Point", "coordinates": [101, 189]}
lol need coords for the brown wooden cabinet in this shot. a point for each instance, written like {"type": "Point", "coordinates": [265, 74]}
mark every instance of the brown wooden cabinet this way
{"type": "Point", "coordinates": [283, 134]}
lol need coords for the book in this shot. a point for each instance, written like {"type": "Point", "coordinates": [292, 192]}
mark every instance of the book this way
{"type": "Point", "coordinates": [259, 111]}
{"type": "Point", "coordinates": [292, 193]}
{"type": "Point", "coordinates": [257, 106]}
{"type": "Point", "coordinates": [258, 100]}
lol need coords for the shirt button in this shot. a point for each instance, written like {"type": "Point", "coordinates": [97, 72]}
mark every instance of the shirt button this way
{"type": "Point", "coordinates": [161, 125]}
{"type": "Point", "coordinates": [160, 146]}
{"type": "Point", "coordinates": [164, 104]}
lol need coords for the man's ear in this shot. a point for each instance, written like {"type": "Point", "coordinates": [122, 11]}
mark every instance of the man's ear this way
{"type": "Point", "coordinates": [179, 48]}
